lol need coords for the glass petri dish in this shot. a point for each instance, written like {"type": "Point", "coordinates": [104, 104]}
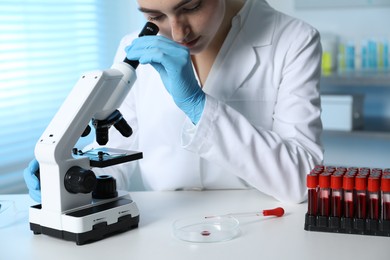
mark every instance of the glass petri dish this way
{"type": "Point", "coordinates": [4, 205]}
{"type": "Point", "coordinates": [206, 230]}
{"type": "Point", "coordinates": [7, 213]}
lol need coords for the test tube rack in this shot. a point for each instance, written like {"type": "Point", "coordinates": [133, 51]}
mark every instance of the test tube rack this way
{"type": "Point", "coordinates": [348, 200]}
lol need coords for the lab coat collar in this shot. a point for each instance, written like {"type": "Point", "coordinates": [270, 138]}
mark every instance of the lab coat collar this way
{"type": "Point", "coordinates": [259, 16]}
{"type": "Point", "coordinates": [238, 57]}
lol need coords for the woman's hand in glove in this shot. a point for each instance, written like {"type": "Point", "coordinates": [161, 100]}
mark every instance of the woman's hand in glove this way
{"type": "Point", "coordinates": [32, 181]}
{"type": "Point", "coordinates": [173, 62]}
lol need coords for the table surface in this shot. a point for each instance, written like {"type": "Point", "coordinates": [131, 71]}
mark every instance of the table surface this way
{"type": "Point", "coordinates": [259, 238]}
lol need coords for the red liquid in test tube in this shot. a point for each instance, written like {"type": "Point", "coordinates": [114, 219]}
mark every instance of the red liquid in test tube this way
{"type": "Point", "coordinates": [336, 205]}
{"type": "Point", "coordinates": [361, 198]}
{"type": "Point", "coordinates": [361, 205]}
{"type": "Point", "coordinates": [348, 186]}
{"type": "Point", "coordinates": [324, 194]}
{"type": "Point", "coordinates": [385, 188]}
{"type": "Point", "coordinates": [312, 196]}
{"type": "Point", "coordinates": [373, 186]}
{"type": "Point", "coordinates": [386, 209]}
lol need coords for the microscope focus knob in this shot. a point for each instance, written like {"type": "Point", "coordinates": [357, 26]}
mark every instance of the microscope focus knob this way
{"type": "Point", "coordinates": [79, 180]}
{"type": "Point", "coordinates": [105, 187]}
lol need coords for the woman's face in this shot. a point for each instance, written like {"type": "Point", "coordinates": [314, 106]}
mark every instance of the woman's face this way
{"type": "Point", "coordinates": [192, 23]}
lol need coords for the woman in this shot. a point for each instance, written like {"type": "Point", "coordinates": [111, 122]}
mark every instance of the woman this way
{"type": "Point", "coordinates": [230, 101]}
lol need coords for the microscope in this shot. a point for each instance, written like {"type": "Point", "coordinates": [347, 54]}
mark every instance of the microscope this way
{"type": "Point", "coordinates": [77, 205]}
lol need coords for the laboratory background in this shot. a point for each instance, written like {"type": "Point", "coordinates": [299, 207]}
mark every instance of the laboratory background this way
{"type": "Point", "coordinates": [46, 45]}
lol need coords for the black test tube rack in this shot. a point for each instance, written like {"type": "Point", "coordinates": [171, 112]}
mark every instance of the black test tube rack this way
{"type": "Point", "coordinates": [316, 221]}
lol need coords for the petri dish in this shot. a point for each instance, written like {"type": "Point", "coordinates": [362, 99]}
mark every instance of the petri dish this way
{"type": "Point", "coordinates": [7, 213]}
{"type": "Point", "coordinates": [4, 205]}
{"type": "Point", "coordinates": [206, 230]}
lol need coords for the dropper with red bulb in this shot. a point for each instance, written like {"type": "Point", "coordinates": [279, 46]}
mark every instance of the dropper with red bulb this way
{"type": "Point", "coordinates": [277, 212]}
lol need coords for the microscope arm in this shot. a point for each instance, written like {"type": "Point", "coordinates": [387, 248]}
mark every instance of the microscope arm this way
{"type": "Point", "coordinates": [96, 95]}
{"type": "Point", "coordinates": [75, 204]}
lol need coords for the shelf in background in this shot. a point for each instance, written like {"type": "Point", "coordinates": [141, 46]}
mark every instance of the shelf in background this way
{"type": "Point", "coordinates": [357, 79]}
{"type": "Point", "coordinates": [371, 84]}
{"type": "Point", "coordinates": [359, 133]}
{"type": "Point", "coordinates": [373, 128]}
{"type": "Point", "coordinates": [304, 4]}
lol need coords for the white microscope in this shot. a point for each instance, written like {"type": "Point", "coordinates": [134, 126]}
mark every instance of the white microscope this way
{"type": "Point", "coordinates": [76, 205]}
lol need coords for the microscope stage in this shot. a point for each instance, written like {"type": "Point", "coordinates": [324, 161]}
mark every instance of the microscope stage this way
{"type": "Point", "coordinates": [104, 157]}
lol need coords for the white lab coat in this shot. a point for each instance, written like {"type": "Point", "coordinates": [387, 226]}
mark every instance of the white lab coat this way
{"type": "Point", "coordinates": [261, 124]}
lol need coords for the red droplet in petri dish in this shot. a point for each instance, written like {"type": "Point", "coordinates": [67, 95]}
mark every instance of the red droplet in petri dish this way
{"type": "Point", "coordinates": [205, 233]}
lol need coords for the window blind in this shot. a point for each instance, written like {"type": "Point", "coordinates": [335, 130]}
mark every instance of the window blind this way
{"type": "Point", "coordinates": [45, 45]}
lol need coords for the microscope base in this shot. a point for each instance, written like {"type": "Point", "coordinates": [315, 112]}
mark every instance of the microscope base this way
{"type": "Point", "coordinates": [78, 226]}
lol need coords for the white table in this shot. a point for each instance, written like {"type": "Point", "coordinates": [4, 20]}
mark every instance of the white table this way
{"type": "Point", "coordinates": [260, 238]}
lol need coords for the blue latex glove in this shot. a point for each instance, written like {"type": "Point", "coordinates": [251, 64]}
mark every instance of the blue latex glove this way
{"type": "Point", "coordinates": [173, 63]}
{"type": "Point", "coordinates": [32, 182]}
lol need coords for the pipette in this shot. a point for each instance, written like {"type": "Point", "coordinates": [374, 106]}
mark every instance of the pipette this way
{"type": "Point", "coordinates": [216, 228]}
{"type": "Point", "coordinates": [278, 212]}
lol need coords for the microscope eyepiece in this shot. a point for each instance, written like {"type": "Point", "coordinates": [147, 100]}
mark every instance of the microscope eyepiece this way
{"type": "Point", "coordinates": [116, 117]}
{"type": "Point", "coordinates": [149, 29]}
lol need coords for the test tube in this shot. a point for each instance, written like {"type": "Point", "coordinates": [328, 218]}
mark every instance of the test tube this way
{"type": "Point", "coordinates": [376, 172]}
{"type": "Point", "coordinates": [318, 169]}
{"type": "Point", "coordinates": [348, 186]}
{"type": "Point", "coordinates": [336, 184]}
{"type": "Point", "coordinates": [324, 194]}
{"type": "Point", "coordinates": [385, 189]}
{"type": "Point", "coordinates": [353, 169]}
{"type": "Point", "coordinates": [386, 55]}
{"type": "Point", "coordinates": [312, 196]}
{"type": "Point", "coordinates": [342, 169]}
{"type": "Point", "coordinates": [364, 171]}
{"type": "Point", "coordinates": [350, 56]}
{"type": "Point", "coordinates": [372, 54]}
{"type": "Point", "coordinates": [373, 187]}
{"type": "Point", "coordinates": [361, 196]}
{"type": "Point", "coordinates": [330, 169]}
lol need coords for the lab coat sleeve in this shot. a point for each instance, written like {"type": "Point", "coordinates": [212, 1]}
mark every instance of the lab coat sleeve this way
{"type": "Point", "coordinates": [274, 161]}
